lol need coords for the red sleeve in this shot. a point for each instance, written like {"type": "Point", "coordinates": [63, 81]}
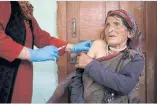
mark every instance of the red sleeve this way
{"type": "Point", "coordinates": [43, 38]}
{"type": "Point", "coordinates": [9, 49]}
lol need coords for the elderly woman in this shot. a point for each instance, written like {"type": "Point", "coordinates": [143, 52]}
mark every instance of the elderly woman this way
{"type": "Point", "coordinates": [114, 76]}
{"type": "Point", "coordinates": [110, 71]}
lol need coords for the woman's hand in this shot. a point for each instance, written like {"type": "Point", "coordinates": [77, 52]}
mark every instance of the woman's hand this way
{"type": "Point", "coordinates": [83, 60]}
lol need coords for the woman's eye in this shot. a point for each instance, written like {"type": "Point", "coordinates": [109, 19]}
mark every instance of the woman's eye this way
{"type": "Point", "coordinates": [116, 24]}
{"type": "Point", "coordinates": [107, 24]}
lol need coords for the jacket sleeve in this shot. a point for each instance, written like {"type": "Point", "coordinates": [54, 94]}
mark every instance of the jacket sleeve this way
{"type": "Point", "coordinates": [76, 88]}
{"type": "Point", "coordinates": [122, 82]}
{"type": "Point", "coordinates": [43, 38]}
{"type": "Point", "coordinates": [9, 49]}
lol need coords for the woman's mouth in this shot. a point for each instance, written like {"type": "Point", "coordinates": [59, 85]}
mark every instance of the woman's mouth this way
{"type": "Point", "coordinates": [111, 36]}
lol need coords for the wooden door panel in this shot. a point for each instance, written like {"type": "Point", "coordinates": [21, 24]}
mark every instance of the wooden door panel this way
{"type": "Point", "coordinates": [92, 15]}
{"type": "Point", "coordinates": [151, 42]}
{"type": "Point", "coordinates": [72, 14]}
{"type": "Point", "coordinates": [91, 35]}
{"type": "Point", "coordinates": [111, 5]}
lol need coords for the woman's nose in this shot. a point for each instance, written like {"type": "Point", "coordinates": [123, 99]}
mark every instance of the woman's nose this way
{"type": "Point", "coordinates": [111, 28]}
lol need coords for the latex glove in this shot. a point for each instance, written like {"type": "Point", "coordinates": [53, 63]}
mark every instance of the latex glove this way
{"type": "Point", "coordinates": [82, 46]}
{"type": "Point", "coordinates": [46, 53]}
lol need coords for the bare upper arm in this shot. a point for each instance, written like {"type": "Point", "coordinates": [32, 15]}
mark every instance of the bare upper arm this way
{"type": "Point", "coordinates": [98, 49]}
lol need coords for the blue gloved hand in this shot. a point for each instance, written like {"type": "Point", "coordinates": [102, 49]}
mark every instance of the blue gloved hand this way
{"type": "Point", "coordinates": [82, 46]}
{"type": "Point", "coordinates": [46, 53]}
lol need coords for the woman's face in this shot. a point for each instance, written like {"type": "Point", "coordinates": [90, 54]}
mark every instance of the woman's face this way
{"type": "Point", "coordinates": [116, 34]}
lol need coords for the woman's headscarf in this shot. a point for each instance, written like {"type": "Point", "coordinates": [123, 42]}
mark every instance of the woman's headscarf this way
{"type": "Point", "coordinates": [136, 35]}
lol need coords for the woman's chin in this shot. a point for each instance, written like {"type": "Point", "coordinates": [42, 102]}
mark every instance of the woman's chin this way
{"type": "Point", "coordinates": [112, 44]}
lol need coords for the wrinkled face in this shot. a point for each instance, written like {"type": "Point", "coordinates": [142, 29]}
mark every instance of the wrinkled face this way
{"type": "Point", "coordinates": [115, 32]}
{"type": "Point", "coordinates": [27, 8]}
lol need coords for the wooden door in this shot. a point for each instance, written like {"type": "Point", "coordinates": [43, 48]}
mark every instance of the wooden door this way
{"type": "Point", "coordinates": [89, 20]}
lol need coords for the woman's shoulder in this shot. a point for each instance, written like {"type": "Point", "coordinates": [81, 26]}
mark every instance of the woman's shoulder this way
{"type": "Point", "coordinates": [135, 55]}
{"type": "Point", "coordinates": [99, 41]}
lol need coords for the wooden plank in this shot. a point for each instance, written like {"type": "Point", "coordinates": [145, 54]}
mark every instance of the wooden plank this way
{"type": "Point", "coordinates": [72, 14]}
{"type": "Point", "coordinates": [61, 20]}
{"type": "Point", "coordinates": [91, 19]}
{"type": "Point", "coordinates": [155, 96]}
{"type": "Point", "coordinates": [111, 5]}
{"type": "Point", "coordinates": [151, 33]}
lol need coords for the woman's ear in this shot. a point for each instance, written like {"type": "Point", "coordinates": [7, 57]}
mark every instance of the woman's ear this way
{"type": "Point", "coordinates": [129, 34]}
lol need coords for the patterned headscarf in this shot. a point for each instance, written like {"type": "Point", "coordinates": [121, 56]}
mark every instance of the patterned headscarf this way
{"type": "Point", "coordinates": [136, 35]}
